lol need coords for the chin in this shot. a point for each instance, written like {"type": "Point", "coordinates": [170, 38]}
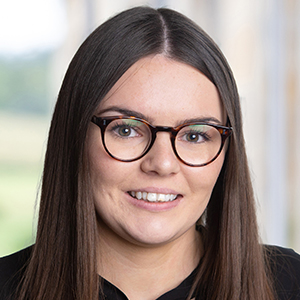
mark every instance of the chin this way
{"type": "Point", "coordinates": [152, 236]}
{"type": "Point", "coordinates": [152, 241]}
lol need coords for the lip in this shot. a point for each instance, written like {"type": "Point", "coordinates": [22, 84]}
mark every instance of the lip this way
{"type": "Point", "coordinates": [156, 190]}
{"type": "Point", "coordinates": [155, 206]}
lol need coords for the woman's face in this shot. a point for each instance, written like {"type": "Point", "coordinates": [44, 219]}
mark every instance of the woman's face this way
{"type": "Point", "coordinates": [166, 93]}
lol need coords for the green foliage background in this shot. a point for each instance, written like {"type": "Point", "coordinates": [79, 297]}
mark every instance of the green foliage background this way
{"type": "Point", "coordinates": [24, 84]}
{"type": "Point", "coordinates": [24, 119]}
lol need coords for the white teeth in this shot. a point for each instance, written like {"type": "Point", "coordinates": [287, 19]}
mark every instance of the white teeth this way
{"type": "Point", "coordinates": [163, 197]}
{"type": "Point", "coordinates": [153, 197]}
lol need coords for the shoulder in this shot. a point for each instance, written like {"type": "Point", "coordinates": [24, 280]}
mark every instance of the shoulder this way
{"type": "Point", "coordinates": [285, 266]}
{"type": "Point", "coordinates": [11, 269]}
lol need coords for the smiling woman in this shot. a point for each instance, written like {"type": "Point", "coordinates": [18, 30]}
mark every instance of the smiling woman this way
{"type": "Point", "coordinates": [146, 190]}
{"type": "Point", "coordinates": [167, 93]}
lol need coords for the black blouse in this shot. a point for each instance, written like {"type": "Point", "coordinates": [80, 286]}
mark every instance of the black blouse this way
{"type": "Point", "coordinates": [179, 293]}
{"type": "Point", "coordinates": [285, 264]}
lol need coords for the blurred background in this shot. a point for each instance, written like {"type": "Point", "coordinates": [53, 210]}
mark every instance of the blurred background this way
{"type": "Point", "coordinates": [261, 40]}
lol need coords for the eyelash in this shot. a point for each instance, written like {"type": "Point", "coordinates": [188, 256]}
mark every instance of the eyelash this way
{"type": "Point", "coordinates": [124, 125]}
{"type": "Point", "coordinates": [201, 134]}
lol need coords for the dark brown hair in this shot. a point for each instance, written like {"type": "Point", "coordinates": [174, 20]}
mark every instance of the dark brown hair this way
{"type": "Point", "coordinates": [63, 262]}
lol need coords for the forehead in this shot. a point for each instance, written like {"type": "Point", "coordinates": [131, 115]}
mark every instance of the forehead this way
{"type": "Point", "coordinates": [164, 90]}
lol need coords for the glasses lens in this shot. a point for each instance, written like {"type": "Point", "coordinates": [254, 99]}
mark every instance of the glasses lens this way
{"type": "Point", "coordinates": [127, 139]}
{"type": "Point", "coordinates": [198, 144]}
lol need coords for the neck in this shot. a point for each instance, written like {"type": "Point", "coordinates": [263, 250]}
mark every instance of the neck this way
{"type": "Point", "coordinates": [151, 270]}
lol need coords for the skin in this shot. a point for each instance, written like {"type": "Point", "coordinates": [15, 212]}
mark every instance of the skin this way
{"type": "Point", "coordinates": [152, 247]}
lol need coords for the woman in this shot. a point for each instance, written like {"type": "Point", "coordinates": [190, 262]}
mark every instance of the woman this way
{"type": "Point", "coordinates": [146, 180]}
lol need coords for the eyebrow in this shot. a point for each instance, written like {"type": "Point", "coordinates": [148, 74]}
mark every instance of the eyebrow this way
{"type": "Point", "coordinates": [202, 119]}
{"type": "Point", "coordinates": [132, 113]}
{"type": "Point", "coordinates": [127, 112]}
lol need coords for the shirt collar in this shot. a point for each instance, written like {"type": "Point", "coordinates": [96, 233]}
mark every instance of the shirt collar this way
{"type": "Point", "coordinates": [181, 292]}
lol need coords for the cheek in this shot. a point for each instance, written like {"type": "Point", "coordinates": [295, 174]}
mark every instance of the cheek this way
{"type": "Point", "coordinates": [103, 182]}
{"type": "Point", "coordinates": [103, 176]}
{"type": "Point", "coordinates": [100, 164]}
{"type": "Point", "coordinates": [98, 161]}
{"type": "Point", "coordinates": [107, 174]}
{"type": "Point", "coordinates": [203, 180]}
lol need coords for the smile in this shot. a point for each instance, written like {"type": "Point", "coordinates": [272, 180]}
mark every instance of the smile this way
{"type": "Point", "coordinates": [153, 197]}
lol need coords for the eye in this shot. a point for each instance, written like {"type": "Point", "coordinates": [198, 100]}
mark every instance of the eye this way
{"type": "Point", "coordinates": [195, 134]}
{"type": "Point", "coordinates": [194, 137]}
{"type": "Point", "coordinates": [126, 128]}
{"type": "Point", "coordinates": [123, 130]}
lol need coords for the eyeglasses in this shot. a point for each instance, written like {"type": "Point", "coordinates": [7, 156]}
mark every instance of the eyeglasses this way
{"type": "Point", "coordinates": [128, 139]}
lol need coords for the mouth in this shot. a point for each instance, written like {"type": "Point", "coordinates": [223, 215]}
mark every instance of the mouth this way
{"type": "Point", "coordinates": [153, 197]}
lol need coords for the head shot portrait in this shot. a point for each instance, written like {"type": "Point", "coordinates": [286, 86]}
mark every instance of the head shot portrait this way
{"type": "Point", "coordinates": [146, 189]}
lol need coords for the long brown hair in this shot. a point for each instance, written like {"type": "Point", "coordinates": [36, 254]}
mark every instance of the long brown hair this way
{"type": "Point", "coordinates": [63, 261]}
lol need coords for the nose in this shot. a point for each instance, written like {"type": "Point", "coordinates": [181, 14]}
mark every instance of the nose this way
{"type": "Point", "coordinates": [161, 159]}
